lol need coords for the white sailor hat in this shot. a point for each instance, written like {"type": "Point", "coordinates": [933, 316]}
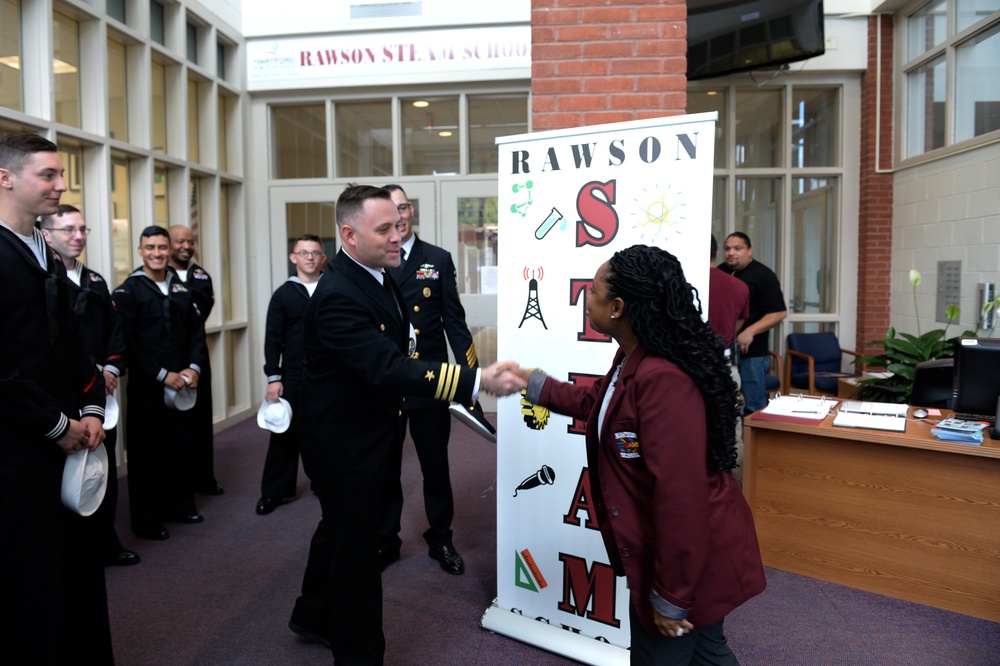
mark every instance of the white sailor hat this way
{"type": "Point", "coordinates": [275, 416]}
{"type": "Point", "coordinates": [85, 480]}
{"type": "Point", "coordinates": [182, 400]}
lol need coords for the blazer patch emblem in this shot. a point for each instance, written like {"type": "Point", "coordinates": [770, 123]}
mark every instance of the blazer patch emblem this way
{"type": "Point", "coordinates": [628, 444]}
{"type": "Point", "coordinates": [96, 278]}
{"type": "Point", "coordinates": [176, 288]}
{"type": "Point", "coordinates": [427, 272]}
{"type": "Point", "coordinates": [199, 274]}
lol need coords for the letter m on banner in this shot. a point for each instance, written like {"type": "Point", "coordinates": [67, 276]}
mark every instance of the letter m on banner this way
{"type": "Point", "coordinates": [589, 592]}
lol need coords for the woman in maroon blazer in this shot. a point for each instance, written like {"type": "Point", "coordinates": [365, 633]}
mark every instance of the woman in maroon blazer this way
{"type": "Point", "coordinates": [660, 448]}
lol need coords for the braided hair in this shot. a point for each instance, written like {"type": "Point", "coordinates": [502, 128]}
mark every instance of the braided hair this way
{"type": "Point", "coordinates": [664, 311]}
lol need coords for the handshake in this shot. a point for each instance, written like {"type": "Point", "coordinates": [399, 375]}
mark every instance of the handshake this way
{"type": "Point", "coordinates": [503, 378]}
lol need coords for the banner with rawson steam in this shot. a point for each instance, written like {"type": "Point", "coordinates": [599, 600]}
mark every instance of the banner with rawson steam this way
{"type": "Point", "coordinates": [569, 199]}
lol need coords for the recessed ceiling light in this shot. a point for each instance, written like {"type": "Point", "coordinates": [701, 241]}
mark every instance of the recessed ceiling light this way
{"type": "Point", "coordinates": [444, 133]}
{"type": "Point", "coordinates": [420, 104]}
{"type": "Point", "coordinates": [711, 92]}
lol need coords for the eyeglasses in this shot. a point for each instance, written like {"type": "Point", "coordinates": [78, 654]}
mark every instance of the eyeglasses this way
{"type": "Point", "coordinates": [402, 208]}
{"type": "Point", "coordinates": [305, 254]}
{"type": "Point", "coordinates": [69, 231]}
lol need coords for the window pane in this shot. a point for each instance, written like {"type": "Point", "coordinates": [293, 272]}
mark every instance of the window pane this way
{"type": "Point", "coordinates": [815, 122]}
{"type": "Point", "coordinates": [117, 91]}
{"type": "Point", "coordinates": [116, 9]}
{"type": "Point", "coordinates": [156, 23]}
{"type": "Point", "coordinates": [158, 84]}
{"type": "Point", "coordinates": [430, 136]}
{"type": "Point", "coordinates": [221, 133]}
{"type": "Point", "coordinates": [703, 101]}
{"type": "Point", "coordinates": [315, 218]}
{"type": "Point", "coordinates": [122, 252]}
{"type": "Point", "coordinates": [758, 128]}
{"type": "Point", "coordinates": [72, 160]}
{"type": "Point", "coordinates": [161, 205]}
{"type": "Point", "coordinates": [926, 28]}
{"type": "Point", "coordinates": [925, 94]}
{"type": "Point", "coordinates": [364, 139]}
{"type": "Point", "coordinates": [236, 380]}
{"type": "Point", "coordinates": [719, 206]}
{"type": "Point", "coordinates": [813, 239]}
{"type": "Point", "coordinates": [220, 60]}
{"type": "Point", "coordinates": [977, 98]}
{"type": "Point", "coordinates": [192, 125]}
{"type": "Point", "coordinates": [194, 217]}
{"type": "Point", "coordinates": [300, 141]}
{"type": "Point", "coordinates": [491, 116]}
{"type": "Point", "coordinates": [477, 245]}
{"type": "Point", "coordinates": [758, 215]}
{"type": "Point", "coordinates": [10, 54]}
{"type": "Point", "coordinates": [192, 43]}
{"type": "Point", "coordinates": [224, 287]}
{"type": "Point", "coordinates": [970, 11]}
{"type": "Point", "coordinates": [66, 68]}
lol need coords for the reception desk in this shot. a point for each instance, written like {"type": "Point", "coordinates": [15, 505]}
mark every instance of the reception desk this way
{"type": "Point", "coordinates": [900, 514]}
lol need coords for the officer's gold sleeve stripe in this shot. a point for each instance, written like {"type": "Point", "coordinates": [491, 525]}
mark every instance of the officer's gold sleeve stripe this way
{"type": "Point", "coordinates": [448, 382]}
{"type": "Point", "coordinates": [470, 356]}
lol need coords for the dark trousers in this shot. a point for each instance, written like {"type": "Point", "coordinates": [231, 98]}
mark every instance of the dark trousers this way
{"type": "Point", "coordinates": [704, 646]}
{"type": "Point", "coordinates": [281, 466]}
{"type": "Point", "coordinates": [104, 517]}
{"type": "Point", "coordinates": [430, 429]}
{"type": "Point", "coordinates": [203, 435]}
{"type": "Point", "coordinates": [53, 604]}
{"type": "Point", "coordinates": [342, 586]}
{"type": "Point", "coordinates": [159, 476]}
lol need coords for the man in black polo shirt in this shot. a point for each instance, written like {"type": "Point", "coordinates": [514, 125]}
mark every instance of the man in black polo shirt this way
{"type": "Point", "coordinates": [767, 310]}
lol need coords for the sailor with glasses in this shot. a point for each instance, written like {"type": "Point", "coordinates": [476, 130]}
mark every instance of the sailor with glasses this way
{"type": "Point", "coordinates": [284, 353]}
{"type": "Point", "coordinates": [66, 233]}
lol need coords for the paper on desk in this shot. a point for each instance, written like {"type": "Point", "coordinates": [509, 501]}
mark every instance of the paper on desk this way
{"type": "Point", "coordinates": [800, 406]}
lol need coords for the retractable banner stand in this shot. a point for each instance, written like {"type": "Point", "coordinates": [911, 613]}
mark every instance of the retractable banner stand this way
{"type": "Point", "coordinates": [569, 199]}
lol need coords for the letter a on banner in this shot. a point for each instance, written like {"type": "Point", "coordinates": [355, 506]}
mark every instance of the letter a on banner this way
{"type": "Point", "coordinates": [569, 199]}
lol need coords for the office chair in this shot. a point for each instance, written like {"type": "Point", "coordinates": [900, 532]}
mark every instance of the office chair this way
{"type": "Point", "coordinates": [772, 381]}
{"type": "Point", "coordinates": [814, 362]}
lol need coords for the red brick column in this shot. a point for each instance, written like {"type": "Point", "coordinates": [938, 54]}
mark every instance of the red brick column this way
{"type": "Point", "coordinates": [601, 61]}
{"type": "Point", "coordinates": [875, 189]}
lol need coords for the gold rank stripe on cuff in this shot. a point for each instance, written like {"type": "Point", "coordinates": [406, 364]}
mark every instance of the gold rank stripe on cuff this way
{"type": "Point", "coordinates": [448, 382]}
{"type": "Point", "coordinates": [470, 356]}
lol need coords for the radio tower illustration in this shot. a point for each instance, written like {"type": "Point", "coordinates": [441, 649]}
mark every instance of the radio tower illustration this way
{"type": "Point", "coordinates": [532, 309]}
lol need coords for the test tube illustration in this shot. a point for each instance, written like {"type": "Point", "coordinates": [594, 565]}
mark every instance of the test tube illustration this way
{"type": "Point", "coordinates": [549, 222]}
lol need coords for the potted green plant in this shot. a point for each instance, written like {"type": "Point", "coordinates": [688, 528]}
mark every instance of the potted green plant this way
{"type": "Point", "coordinates": [901, 352]}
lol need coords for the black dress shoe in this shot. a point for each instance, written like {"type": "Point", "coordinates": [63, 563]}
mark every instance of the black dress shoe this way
{"type": "Point", "coordinates": [310, 634]}
{"type": "Point", "coordinates": [387, 557]}
{"type": "Point", "coordinates": [266, 505]}
{"type": "Point", "coordinates": [212, 489]}
{"type": "Point", "coordinates": [123, 559]}
{"type": "Point", "coordinates": [449, 559]}
{"type": "Point", "coordinates": [189, 519]}
{"type": "Point", "coordinates": [153, 532]}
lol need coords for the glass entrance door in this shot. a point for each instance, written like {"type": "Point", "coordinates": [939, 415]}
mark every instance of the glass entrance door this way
{"type": "Point", "coordinates": [469, 225]}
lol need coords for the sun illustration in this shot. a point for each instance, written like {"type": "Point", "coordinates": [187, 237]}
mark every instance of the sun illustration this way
{"type": "Point", "coordinates": [659, 211]}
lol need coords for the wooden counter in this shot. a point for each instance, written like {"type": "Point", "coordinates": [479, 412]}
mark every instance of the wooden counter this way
{"type": "Point", "coordinates": [901, 514]}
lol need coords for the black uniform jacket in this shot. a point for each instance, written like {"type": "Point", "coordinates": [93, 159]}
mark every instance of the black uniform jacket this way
{"type": "Point", "coordinates": [46, 376]}
{"type": "Point", "coordinates": [430, 288]}
{"type": "Point", "coordinates": [93, 297]}
{"type": "Point", "coordinates": [356, 370]}
{"type": "Point", "coordinates": [159, 333]}
{"type": "Point", "coordinates": [199, 282]}
{"type": "Point", "coordinates": [284, 344]}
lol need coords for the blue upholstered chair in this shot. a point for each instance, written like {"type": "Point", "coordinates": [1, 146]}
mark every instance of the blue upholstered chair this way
{"type": "Point", "coordinates": [814, 362]}
{"type": "Point", "coordinates": [772, 380]}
